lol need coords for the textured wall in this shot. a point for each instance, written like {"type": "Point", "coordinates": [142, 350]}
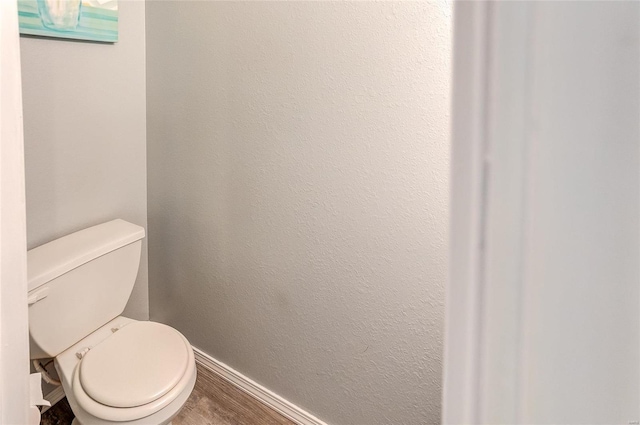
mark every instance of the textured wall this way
{"type": "Point", "coordinates": [85, 135]}
{"type": "Point", "coordinates": [298, 196]}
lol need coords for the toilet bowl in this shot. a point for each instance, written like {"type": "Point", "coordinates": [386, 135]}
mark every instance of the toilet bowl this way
{"type": "Point", "coordinates": [113, 369]}
{"type": "Point", "coordinates": [121, 378]}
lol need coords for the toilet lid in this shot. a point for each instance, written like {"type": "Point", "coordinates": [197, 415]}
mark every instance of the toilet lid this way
{"type": "Point", "coordinates": [138, 364]}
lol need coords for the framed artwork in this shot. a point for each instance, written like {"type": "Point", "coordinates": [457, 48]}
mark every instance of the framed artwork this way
{"type": "Point", "coordinates": [95, 20]}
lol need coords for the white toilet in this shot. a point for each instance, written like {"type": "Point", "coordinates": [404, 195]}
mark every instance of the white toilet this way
{"type": "Point", "coordinates": [113, 369]}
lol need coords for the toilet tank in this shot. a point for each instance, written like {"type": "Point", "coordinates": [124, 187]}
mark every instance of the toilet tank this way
{"type": "Point", "coordinates": [80, 282]}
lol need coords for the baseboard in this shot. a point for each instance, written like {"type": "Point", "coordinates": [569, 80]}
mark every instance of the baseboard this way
{"type": "Point", "coordinates": [255, 390]}
{"type": "Point", "coordinates": [53, 397]}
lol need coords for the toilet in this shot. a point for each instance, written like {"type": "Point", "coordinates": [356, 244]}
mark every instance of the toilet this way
{"type": "Point", "coordinates": [113, 369]}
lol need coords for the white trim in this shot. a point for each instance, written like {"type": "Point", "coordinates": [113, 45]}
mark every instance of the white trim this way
{"type": "Point", "coordinates": [491, 101]}
{"type": "Point", "coordinates": [502, 349]}
{"type": "Point", "coordinates": [462, 375]}
{"type": "Point", "coordinates": [255, 390]}
{"type": "Point", "coordinates": [53, 397]}
{"type": "Point", "coordinates": [508, 131]}
{"type": "Point", "coordinates": [14, 333]}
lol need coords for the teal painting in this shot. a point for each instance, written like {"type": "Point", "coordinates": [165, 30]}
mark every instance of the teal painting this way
{"type": "Point", "coordinates": [95, 20]}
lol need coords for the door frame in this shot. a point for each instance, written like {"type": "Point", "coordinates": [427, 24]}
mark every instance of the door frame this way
{"type": "Point", "coordinates": [490, 137]}
{"type": "Point", "coordinates": [14, 333]}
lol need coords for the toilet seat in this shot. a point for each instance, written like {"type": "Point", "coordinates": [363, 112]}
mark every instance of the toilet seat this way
{"type": "Point", "coordinates": [138, 364]}
{"type": "Point", "coordinates": [134, 373]}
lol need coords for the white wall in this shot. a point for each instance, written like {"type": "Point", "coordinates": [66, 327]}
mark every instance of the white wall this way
{"type": "Point", "coordinates": [298, 196]}
{"type": "Point", "coordinates": [581, 325]}
{"type": "Point", "coordinates": [85, 135]}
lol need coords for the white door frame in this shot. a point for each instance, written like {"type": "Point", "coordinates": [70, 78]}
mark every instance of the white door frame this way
{"type": "Point", "coordinates": [460, 394]}
{"type": "Point", "coordinates": [495, 108]}
{"type": "Point", "coordinates": [489, 141]}
{"type": "Point", "coordinates": [14, 343]}
{"type": "Point", "coordinates": [492, 103]}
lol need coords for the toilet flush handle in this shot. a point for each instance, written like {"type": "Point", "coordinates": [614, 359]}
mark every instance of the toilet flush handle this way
{"type": "Point", "coordinates": [38, 295]}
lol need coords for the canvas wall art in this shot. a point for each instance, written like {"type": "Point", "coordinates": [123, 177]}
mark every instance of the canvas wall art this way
{"type": "Point", "coordinates": [95, 20]}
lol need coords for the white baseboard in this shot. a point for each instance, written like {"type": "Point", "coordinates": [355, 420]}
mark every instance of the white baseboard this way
{"type": "Point", "coordinates": [255, 390]}
{"type": "Point", "coordinates": [53, 397]}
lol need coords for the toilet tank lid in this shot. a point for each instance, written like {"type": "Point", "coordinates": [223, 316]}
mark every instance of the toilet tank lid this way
{"type": "Point", "coordinates": [62, 255]}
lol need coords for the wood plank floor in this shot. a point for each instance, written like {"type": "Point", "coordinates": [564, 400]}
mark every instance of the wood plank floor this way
{"type": "Point", "coordinates": [214, 401]}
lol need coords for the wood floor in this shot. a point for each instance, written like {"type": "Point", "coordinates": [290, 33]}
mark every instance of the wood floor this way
{"type": "Point", "coordinates": [213, 401]}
